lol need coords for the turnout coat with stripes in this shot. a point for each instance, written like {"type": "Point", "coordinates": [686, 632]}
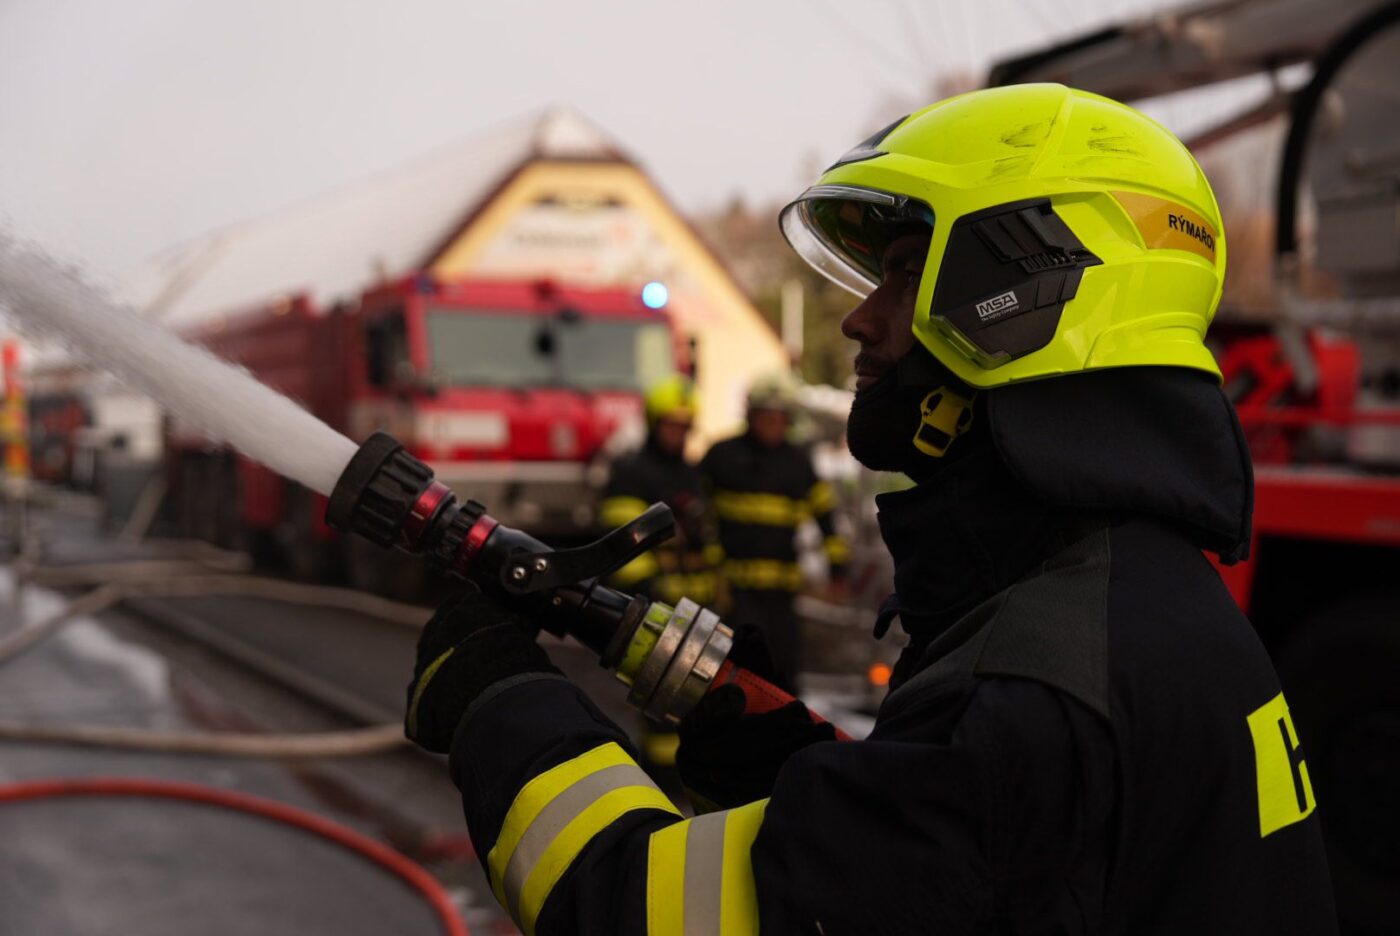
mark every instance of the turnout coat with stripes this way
{"type": "Point", "coordinates": [1085, 736]}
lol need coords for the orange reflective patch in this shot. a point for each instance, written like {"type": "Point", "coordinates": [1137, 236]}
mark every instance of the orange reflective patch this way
{"type": "Point", "coordinates": [1167, 225]}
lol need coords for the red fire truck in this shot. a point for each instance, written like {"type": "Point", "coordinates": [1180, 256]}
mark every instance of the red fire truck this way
{"type": "Point", "coordinates": [1315, 373]}
{"type": "Point", "coordinates": [510, 390]}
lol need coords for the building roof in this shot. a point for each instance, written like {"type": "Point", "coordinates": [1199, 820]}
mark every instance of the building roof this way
{"type": "Point", "coordinates": [335, 244]}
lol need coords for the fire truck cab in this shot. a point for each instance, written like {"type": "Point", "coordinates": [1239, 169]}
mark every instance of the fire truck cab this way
{"type": "Point", "coordinates": [514, 392]}
{"type": "Point", "coordinates": [509, 390]}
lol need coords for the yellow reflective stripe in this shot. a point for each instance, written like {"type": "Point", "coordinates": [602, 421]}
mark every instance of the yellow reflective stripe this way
{"type": "Point", "coordinates": [821, 498]}
{"type": "Point", "coordinates": [420, 687]}
{"type": "Point", "coordinates": [714, 553]}
{"type": "Point", "coordinates": [837, 550]}
{"type": "Point", "coordinates": [562, 851]}
{"type": "Point", "coordinates": [700, 875]}
{"type": "Point", "coordinates": [738, 896]}
{"type": "Point", "coordinates": [666, 881]}
{"type": "Point", "coordinates": [616, 511]}
{"type": "Point", "coordinates": [763, 573]}
{"type": "Point", "coordinates": [764, 509]}
{"type": "Point", "coordinates": [554, 816]}
{"type": "Point", "coordinates": [539, 793]}
{"type": "Point", "coordinates": [699, 587]}
{"type": "Point", "coordinates": [639, 569]}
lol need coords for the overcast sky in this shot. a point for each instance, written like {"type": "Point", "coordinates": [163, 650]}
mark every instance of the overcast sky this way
{"type": "Point", "coordinates": [129, 125]}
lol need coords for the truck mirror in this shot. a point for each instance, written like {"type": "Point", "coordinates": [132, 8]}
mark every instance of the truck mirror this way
{"type": "Point", "coordinates": [545, 343]}
{"type": "Point", "coordinates": [692, 356]}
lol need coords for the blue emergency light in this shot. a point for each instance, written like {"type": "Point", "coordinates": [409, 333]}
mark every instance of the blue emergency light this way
{"type": "Point", "coordinates": [655, 295]}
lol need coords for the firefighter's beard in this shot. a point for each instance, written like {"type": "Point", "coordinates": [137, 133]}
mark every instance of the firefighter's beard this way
{"type": "Point", "coordinates": [886, 415]}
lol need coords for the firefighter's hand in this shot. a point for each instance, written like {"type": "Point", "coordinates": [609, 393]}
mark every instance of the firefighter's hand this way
{"type": "Point", "coordinates": [727, 758]}
{"type": "Point", "coordinates": [472, 643]}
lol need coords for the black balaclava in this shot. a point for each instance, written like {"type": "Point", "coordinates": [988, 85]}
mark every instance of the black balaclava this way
{"type": "Point", "coordinates": [887, 417]}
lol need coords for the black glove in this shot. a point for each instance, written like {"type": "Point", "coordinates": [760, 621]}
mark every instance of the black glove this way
{"type": "Point", "coordinates": [727, 758]}
{"type": "Point", "coordinates": [471, 643]}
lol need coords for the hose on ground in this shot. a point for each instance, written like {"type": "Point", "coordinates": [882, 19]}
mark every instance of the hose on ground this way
{"type": "Point", "coordinates": [156, 579]}
{"type": "Point", "coordinates": [183, 579]}
{"type": "Point", "coordinates": [355, 742]}
{"type": "Point", "coordinates": [99, 599]}
{"type": "Point", "coordinates": [392, 861]}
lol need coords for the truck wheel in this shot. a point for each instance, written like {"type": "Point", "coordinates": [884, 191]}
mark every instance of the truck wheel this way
{"type": "Point", "coordinates": [307, 557]}
{"type": "Point", "coordinates": [231, 534]}
{"type": "Point", "coordinates": [1341, 674]}
{"type": "Point", "coordinates": [189, 499]}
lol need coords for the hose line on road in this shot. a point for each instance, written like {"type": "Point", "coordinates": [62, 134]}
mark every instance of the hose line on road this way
{"type": "Point", "coordinates": [354, 742]}
{"type": "Point", "coordinates": [174, 579]}
{"type": "Point", "coordinates": [406, 870]}
{"type": "Point", "coordinates": [99, 599]}
{"type": "Point", "coordinates": [118, 582]}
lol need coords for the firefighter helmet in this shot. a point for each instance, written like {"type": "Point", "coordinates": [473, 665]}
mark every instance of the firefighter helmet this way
{"type": "Point", "coordinates": [670, 396]}
{"type": "Point", "coordinates": [1069, 232]}
{"type": "Point", "coordinates": [777, 391]}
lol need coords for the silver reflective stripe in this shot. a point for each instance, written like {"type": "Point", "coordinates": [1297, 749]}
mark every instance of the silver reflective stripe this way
{"type": "Point", "coordinates": [704, 873]}
{"type": "Point", "coordinates": [562, 810]}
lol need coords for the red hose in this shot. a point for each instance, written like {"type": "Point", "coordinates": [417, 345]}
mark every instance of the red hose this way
{"type": "Point", "coordinates": [409, 872]}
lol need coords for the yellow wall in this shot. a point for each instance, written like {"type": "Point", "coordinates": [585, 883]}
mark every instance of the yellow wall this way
{"type": "Point", "coordinates": [627, 235]}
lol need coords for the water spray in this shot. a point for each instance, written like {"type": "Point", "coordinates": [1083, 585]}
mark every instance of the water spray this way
{"type": "Point", "coordinates": [669, 656]}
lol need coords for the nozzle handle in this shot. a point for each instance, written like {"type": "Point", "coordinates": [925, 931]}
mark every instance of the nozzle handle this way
{"type": "Point", "coordinates": [529, 572]}
{"type": "Point", "coordinates": [760, 695]}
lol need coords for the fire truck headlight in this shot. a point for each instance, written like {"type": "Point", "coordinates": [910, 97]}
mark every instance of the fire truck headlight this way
{"type": "Point", "coordinates": [563, 440]}
{"type": "Point", "coordinates": [466, 430]}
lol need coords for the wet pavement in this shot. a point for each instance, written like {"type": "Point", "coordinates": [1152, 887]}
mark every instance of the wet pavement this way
{"type": "Point", "coordinates": [128, 866]}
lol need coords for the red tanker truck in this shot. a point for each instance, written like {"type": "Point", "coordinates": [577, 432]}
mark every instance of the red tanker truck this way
{"type": "Point", "coordinates": [509, 390]}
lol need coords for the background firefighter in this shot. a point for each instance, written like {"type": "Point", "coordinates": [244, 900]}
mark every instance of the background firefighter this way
{"type": "Point", "coordinates": [763, 488]}
{"type": "Point", "coordinates": [1083, 735]}
{"type": "Point", "coordinates": [686, 565]}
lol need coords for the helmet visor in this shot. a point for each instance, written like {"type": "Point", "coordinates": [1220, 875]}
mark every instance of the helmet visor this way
{"type": "Point", "coordinates": [843, 231]}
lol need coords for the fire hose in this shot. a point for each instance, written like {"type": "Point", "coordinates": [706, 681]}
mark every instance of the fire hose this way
{"type": "Point", "coordinates": [134, 580]}
{"type": "Point", "coordinates": [668, 656]}
{"type": "Point", "coordinates": [409, 872]}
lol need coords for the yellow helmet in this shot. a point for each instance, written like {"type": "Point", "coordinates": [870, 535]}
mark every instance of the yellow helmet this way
{"type": "Point", "coordinates": [1069, 233]}
{"type": "Point", "coordinates": [670, 396]}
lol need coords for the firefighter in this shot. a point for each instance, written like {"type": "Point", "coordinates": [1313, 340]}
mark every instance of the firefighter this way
{"type": "Point", "coordinates": [685, 565]}
{"type": "Point", "coordinates": [1083, 734]}
{"type": "Point", "coordinates": [762, 488]}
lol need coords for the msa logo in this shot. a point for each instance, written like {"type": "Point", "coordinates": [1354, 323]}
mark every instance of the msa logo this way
{"type": "Point", "coordinates": [997, 306]}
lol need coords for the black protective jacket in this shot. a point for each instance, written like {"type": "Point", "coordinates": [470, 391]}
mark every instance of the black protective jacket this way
{"type": "Point", "coordinates": [1084, 734]}
{"type": "Point", "coordinates": [685, 566]}
{"type": "Point", "coordinates": [760, 495]}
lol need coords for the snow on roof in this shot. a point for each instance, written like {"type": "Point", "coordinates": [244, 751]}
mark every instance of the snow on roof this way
{"type": "Point", "coordinates": [343, 240]}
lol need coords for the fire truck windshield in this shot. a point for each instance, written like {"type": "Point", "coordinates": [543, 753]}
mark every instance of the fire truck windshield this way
{"type": "Point", "coordinates": [512, 350]}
